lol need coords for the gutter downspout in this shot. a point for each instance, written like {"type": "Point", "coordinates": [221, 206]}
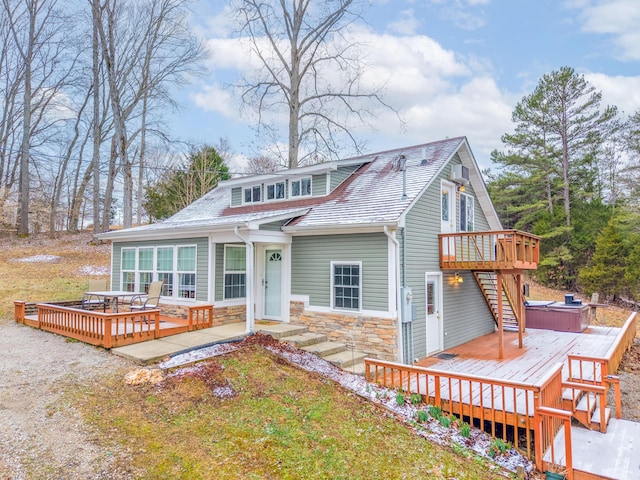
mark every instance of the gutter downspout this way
{"type": "Point", "coordinates": [392, 237]}
{"type": "Point", "coordinates": [249, 297]}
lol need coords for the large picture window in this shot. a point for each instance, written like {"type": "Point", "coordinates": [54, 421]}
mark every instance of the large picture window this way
{"type": "Point", "coordinates": [346, 285]}
{"type": "Point", "coordinates": [466, 213]}
{"type": "Point", "coordinates": [141, 266]}
{"type": "Point", "coordinates": [235, 271]}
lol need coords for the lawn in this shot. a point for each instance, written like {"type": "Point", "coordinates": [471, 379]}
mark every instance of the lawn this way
{"type": "Point", "coordinates": [251, 414]}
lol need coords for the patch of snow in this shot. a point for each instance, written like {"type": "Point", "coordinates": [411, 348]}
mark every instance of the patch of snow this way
{"type": "Point", "coordinates": [200, 354]}
{"type": "Point", "coordinates": [224, 392]}
{"type": "Point", "coordinates": [39, 259]}
{"type": "Point", "coordinates": [100, 271]}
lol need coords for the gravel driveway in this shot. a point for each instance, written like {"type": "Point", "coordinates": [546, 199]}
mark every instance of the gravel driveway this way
{"type": "Point", "coordinates": [41, 438]}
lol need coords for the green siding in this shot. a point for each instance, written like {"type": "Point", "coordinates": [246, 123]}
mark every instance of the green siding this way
{"type": "Point", "coordinates": [466, 315]}
{"type": "Point", "coordinates": [236, 196]}
{"type": "Point", "coordinates": [202, 261]}
{"type": "Point", "coordinates": [319, 185]}
{"type": "Point", "coordinates": [340, 175]}
{"type": "Point", "coordinates": [273, 226]}
{"type": "Point", "coordinates": [311, 259]}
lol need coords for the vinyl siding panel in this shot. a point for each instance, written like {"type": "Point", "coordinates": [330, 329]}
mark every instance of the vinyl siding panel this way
{"type": "Point", "coordinates": [311, 259]}
{"type": "Point", "coordinates": [340, 175]}
{"type": "Point", "coordinates": [319, 185]}
{"type": "Point", "coordinates": [202, 259]}
{"type": "Point", "coordinates": [236, 196]}
{"type": "Point", "coordinates": [465, 313]}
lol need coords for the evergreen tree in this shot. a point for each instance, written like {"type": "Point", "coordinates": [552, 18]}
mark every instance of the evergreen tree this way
{"type": "Point", "coordinates": [179, 187]}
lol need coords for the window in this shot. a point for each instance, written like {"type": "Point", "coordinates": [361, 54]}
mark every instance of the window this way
{"type": "Point", "coordinates": [235, 271]}
{"type": "Point", "coordinates": [187, 272]}
{"type": "Point", "coordinates": [276, 191]}
{"type": "Point", "coordinates": [164, 268]}
{"type": "Point", "coordinates": [145, 269]}
{"type": "Point", "coordinates": [301, 188]}
{"type": "Point", "coordinates": [253, 194]}
{"type": "Point", "coordinates": [141, 266]}
{"type": "Point", "coordinates": [128, 269]}
{"type": "Point", "coordinates": [466, 213]}
{"type": "Point", "coordinates": [346, 285]}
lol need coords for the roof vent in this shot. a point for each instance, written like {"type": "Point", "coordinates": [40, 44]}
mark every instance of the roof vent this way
{"type": "Point", "coordinates": [424, 156]}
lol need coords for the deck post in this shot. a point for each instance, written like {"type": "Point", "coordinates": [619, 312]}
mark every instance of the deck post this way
{"type": "Point", "coordinates": [520, 308]}
{"type": "Point", "coordinates": [19, 310]}
{"type": "Point", "coordinates": [499, 297]}
{"type": "Point", "coordinates": [108, 337]}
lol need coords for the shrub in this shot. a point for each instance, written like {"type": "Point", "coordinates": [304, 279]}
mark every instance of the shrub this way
{"type": "Point", "coordinates": [400, 398]}
{"type": "Point", "coordinates": [445, 421]}
{"type": "Point", "coordinates": [423, 416]}
{"type": "Point", "coordinates": [435, 412]}
{"type": "Point", "coordinates": [416, 399]}
{"type": "Point", "coordinates": [465, 430]}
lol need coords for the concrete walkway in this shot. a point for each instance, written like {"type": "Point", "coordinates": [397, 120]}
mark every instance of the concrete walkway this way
{"type": "Point", "coordinates": [155, 350]}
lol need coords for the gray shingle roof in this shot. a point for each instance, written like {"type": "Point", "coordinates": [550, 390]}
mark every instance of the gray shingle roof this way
{"type": "Point", "coordinates": [373, 194]}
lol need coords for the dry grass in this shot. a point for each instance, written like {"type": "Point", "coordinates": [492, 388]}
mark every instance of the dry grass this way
{"type": "Point", "coordinates": [62, 279]}
{"type": "Point", "coordinates": [250, 414]}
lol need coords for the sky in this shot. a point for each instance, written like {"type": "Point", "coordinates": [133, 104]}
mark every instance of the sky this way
{"type": "Point", "coordinates": [450, 67]}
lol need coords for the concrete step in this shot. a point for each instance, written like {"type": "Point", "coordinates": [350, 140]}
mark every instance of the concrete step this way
{"type": "Point", "coordinates": [595, 418]}
{"type": "Point", "coordinates": [282, 330]}
{"type": "Point", "coordinates": [324, 348]}
{"type": "Point", "coordinates": [305, 339]}
{"type": "Point", "coordinates": [346, 359]}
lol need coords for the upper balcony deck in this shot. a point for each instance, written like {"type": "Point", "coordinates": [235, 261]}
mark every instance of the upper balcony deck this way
{"type": "Point", "coordinates": [494, 250]}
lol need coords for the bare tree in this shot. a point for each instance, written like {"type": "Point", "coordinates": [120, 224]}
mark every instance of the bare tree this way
{"type": "Point", "coordinates": [145, 46]}
{"type": "Point", "coordinates": [310, 69]}
{"type": "Point", "coordinates": [262, 164]}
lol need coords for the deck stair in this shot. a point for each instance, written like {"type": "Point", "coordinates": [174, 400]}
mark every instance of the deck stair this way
{"type": "Point", "coordinates": [587, 412]}
{"type": "Point", "coordinates": [487, 280]}
{"type": "Point", "coordinates": [336, 353]}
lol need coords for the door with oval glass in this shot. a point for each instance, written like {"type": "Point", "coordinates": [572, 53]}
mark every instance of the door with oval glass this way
{"type": "Point", "coordinates": [433, 295]}
{"type": "Point", "coordinates": [273, 284]}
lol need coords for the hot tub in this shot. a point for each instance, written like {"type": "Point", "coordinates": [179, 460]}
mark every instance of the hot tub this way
{"type": "Point", "coordinates": [558, 316]}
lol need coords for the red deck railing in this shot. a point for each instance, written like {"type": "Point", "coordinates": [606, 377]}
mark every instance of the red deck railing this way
{"type": "Point", "coordinates": [493, 250]}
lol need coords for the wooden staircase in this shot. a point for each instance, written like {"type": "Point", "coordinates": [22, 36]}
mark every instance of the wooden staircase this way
{"type": "Point", "coordinates": [586, 409]}
{"type": "Point", "coordinates": [488, 282]}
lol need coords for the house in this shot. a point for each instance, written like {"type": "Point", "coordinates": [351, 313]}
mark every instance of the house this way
{"type": "Point", "coordinates": [397, 252]}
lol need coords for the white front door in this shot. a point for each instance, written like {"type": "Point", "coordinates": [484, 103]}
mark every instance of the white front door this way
{"type": "Point", "coordinates": [433, 295]}
{"type": "Point", "coordinates": [448, 217]}
{"type": "Point", "coordinates": [273, 283]}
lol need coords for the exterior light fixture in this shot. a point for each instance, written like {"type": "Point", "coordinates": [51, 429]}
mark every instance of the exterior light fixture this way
{"type": "Point", "coordinates": [461, 188]}
{"type": "Point", "coordinates": [458, 278]}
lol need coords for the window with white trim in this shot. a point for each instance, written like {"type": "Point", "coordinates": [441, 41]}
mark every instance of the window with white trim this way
{"type": "Point", "coordinates": [276, 191]}
{"type": "Point", "coordinates": [346, 285]}
{"type": "Point", "coordinates": [300, 187]}
{"type": "Point", "coordinates": [235, 271]}
{"type": "Point", "coordinates": [143, 265]}
{"type": "Point", "coordinates": [253, 194]}
{"type": "Point", "coordinates": [466, 213]}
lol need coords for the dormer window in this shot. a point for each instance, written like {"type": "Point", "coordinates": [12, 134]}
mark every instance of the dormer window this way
{"type": "Point", "coordinates": [253, 194]}
{"type": "Point", "coordinates": [276, 191]}
{"type": "Point", "coordinates": [301, 187]}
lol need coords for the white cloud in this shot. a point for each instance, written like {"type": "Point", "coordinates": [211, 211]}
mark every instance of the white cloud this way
{"type": "Point", "coordinates": [623, 92]}
{"type": "Point", "coordinates": [406, 24]}
{"type": "Point", "coordinates": [617, 18]}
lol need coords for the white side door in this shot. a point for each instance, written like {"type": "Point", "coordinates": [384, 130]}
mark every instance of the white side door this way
{"type": "Point", "coordinates": [448, 216]}
{"type": "Point", "coordinates": [273, 283]}
{"type": "Point", "coordinates": [433, 296]}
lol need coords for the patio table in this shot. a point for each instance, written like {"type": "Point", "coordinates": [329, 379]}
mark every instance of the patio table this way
{"type": "Point", "coordinates": [114, 296]}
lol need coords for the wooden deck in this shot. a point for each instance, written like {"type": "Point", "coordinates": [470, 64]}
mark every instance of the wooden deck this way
{"type": "Point", "coordinates": [529, 395]}
{"type": "Point", "coordinates": [542, 350]}
{"type": "Point", "coordinates": [109, 329]}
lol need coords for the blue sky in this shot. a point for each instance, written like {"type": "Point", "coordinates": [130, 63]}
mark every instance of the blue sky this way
{"type": "Point", "coordinates": [451, 67]}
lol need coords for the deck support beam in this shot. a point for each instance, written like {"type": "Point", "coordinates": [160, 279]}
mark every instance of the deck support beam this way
{"type": "Point", "coordinates": [500, 319]}
{"type": "Point", "coordinates": [520, 308]}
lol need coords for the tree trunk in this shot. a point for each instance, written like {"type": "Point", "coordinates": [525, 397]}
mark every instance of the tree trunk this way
{"type": "Point", "coordinates": [97, 133]}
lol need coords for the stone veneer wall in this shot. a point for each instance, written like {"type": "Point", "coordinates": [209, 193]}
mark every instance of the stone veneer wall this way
{"type": "Point", "coordinates": [375, 336]}
{"type": "Point", "coordinates": [221, 315]}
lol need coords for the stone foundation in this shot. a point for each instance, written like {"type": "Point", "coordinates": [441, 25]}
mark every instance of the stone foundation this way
{"type": "Point", "coordinates": [375, 336]}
